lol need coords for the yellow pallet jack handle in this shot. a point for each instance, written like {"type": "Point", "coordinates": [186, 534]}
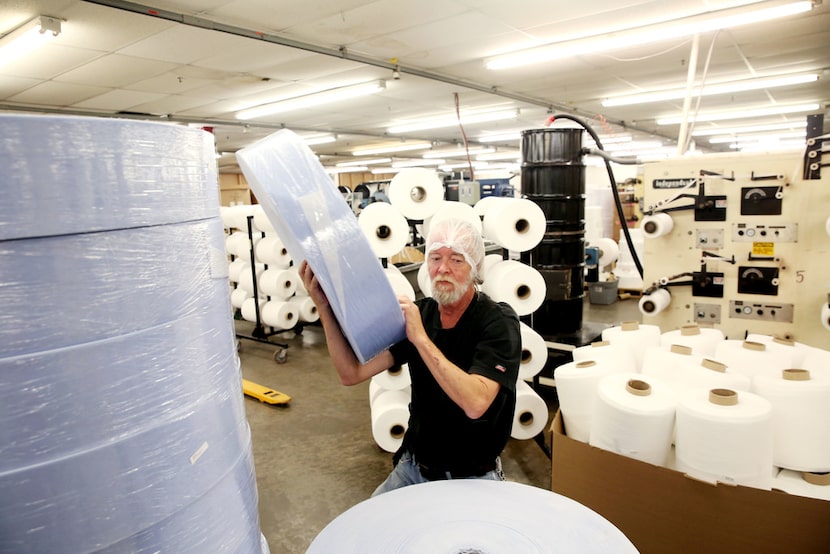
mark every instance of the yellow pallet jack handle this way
{"type": "Point", "coordinates": [264, 394]}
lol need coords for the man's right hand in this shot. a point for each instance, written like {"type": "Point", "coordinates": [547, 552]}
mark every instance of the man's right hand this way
{"type": "Point", "coordinates": [312, 285]}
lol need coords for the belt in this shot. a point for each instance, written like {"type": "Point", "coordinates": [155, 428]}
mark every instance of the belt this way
{"type": "Point", "coordinates": [434, 474]}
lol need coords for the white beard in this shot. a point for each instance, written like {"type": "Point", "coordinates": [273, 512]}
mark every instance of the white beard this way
{"type": "Point", "coordinates": [445, 297]}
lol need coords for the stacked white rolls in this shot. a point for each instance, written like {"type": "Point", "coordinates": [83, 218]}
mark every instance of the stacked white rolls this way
{"type": "Point", "coordinates": [576, 385]}
{"type": "Point", "coordinates": [531, 415]}
{"type": "Point", "coordinates": [534, 352]}
{"type": "Point", "coordinates": [617, 354]}
{"type": "Point", "coordinates": [519, 285]}
{"type": "Point", "coordinates": [753, 358]}
{"type": "Point", "coordinates": [702, 340]}
{"type": "Point", "coordinates": [810, 485]}
{"type": "Point", "coordinates": [634, 336]}
{"type": "Point", "coordinates": [725, 435]}
{"type": "Point", "coordinates": [517, 224]}
{"type": "Point", "coordinates": [634, 416]}
{"type": "Point", "coordinates": [389, 395]}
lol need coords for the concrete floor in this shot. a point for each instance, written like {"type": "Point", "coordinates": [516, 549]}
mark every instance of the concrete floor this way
{"type": "Point", "coordinates": [315, 457]}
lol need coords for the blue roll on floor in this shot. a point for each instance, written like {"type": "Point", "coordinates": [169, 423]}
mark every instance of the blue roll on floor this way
{"type": "Point", "coordinates": [316, 224]}
{"type": "Point", "coordinates": [123, 416]}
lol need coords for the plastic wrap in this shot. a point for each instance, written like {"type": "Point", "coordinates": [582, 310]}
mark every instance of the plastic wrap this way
{"type": "Point", "coordinates": [124, 426]}
{"type": "Point", "coordinates": [315, 224]}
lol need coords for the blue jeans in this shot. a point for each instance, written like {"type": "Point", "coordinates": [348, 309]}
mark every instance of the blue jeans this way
{"type": "Point", "coordinates": [407, 473]}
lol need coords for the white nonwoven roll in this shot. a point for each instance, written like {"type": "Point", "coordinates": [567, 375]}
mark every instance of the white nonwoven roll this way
{"type": "Point", "coordinates": [484, 204]}
{"type": "Point", "coordinates": [615, 354]}
{"type": "Point", "coordinates": [424, 282]}
{"type": "Point", "coordinates": [752, 358]}
{"type": "Point", "coordinates": [278, 283]}
{"type": "Point", "coordinates": [817, 361]}
{"type": "Point", "coordinates": [725, 436]}
{"type": "Point", "coordinates": [655, 302]}
{"type": "Point", "coordinates": [451, 209]}
{"type": "Point", "coordinates": [795, 482]}
{"type": "Point", "coordinates": [246, 276]}
{"type": "Point", "coordinates": [261, 221]}
{"type": "Point", "coordinates": [239, 296]}
{"type": "Point", "coordinates": [416, 192]}
{"type": "Point", "coordinates": [704, 373]}
{"type": "Point", "coordinates": [306, 309]}
{"type": "Point", "coordinates": [519, 285]}
{"type": "Point", "coordinates": [609, 251]}
{"type": "Point", "coordinates": [237, 244]}
{"type": "Point", "coordinates": [394, 378]}
{"type": "Point", "coordinates": [634, 336]}
{"type": "Point", "coordinates": [795, 350]}
{"type": "Point", "coordinates": [390, 418]}
{"type": "Point", "coordinates": [576, 386]}
{"type": "Point", "coordinates": [824, 316]}
{"type": "Point", "coordinates": [517, 224]}
{"type": "Point", "coordinates": [385, 228]}
{"type": "Point", "coordinates": [657, 225]}
{"type": "Point", "coordinates": [236, 267]}
{"type": "Point", "coordinates": [702, 340]}
{"type": "Point", "coordinates": [634, 417]}
{"type": "Point", "coordinates": [271, 250]}
{"type": "Point", "coordinates": [489, 261]}
{"type": "Point", "coordinates": [531, 415]}
{"type": "Point", "coordinates": [534, 352]}
{"type": "Point", "coordinates": [801, 412]}
{"type": "Point", "coordinates": [295, 270]}
{"type": "Point", "coordinates": [664, 360]}
{"type": "Point", "coordinates": [400, 284]}
{"type": "Point", "coordinates": [279, 314]}
{"type": "Point", "coordinates": [249, 308]}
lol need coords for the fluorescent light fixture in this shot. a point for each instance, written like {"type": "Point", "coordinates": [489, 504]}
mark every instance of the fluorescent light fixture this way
{"type": "Point", "coordinates": [726, 139]}
{"type": "Point", "coordinates": [749, 129]}
{"type": "Point", "coordinates": [633, 145]}
{"type": "Point", "coordinates": [476, 165]}
{"type": "Point", "coordinates": [365, 162]}
{"type": "Point", "coordinates": [711, 90]}
{"type": "Point", "coordinates": [449, 121]}
{"type": "Point", "coordinates": [417, 163]}
{"type": "Point", "coordinates": [385, 170]}
{"type": "Point", "coordinates": [742, 114]}
{"type": "Point", "coordinates": [500, 155]}
{"type": "Point", "coordinates": [504, 137]}
{"type": "Point", "coordinates": [353, 169]}
{"type": "Point", "coordinates": [770, 146]}
{"type": "Point", "coordinates": [456, 152]}
{"type": "Point", "coordinates": [671, 29]}
{"type": "Point", "coordinates": [29, 36]}
{"type": "Point", "coordinates": [315, 99]}
{"type": "Point", "coordinates": [401, 147]}
{"type": "Point", "coordinates": [319, 139]}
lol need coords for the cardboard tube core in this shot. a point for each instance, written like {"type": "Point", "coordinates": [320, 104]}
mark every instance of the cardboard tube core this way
{"type": "Point", "coordinates": [795, 375]}
{"type": "Point", "coordinates": [630, 325]}
{"type": "Point", "coordinates": [783, 340]}
{"type": "Point", "coordinates": [723, 397]}
{"type": "Point", "coordinates": [713, 365]}
{"type": "Point", "coordinates": [681, 349]}
{"type": "Point", "coordinates": [600, 343]}
{"type": "Point", "coordinates": [689, 330]}
{"type": "Point", "coordinates": [822, 479]}
{"type": "Point", "coordinates": [638, 387]}
{"type": "Point", "coordinates": [752, 345]}
{"type": "Point", "coordinates": [586, 363]}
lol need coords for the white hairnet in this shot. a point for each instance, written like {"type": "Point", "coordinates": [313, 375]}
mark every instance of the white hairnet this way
{"type": "Point", "coordinates": [461, 237]}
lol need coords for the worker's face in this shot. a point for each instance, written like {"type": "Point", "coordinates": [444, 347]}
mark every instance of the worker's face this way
{"type": "Point", "coordinates": [449, 274]}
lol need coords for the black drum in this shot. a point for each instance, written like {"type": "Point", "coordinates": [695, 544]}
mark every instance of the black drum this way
{"type": "Point", "coordinates": [555, 251]}
{"type": "Point", "coordinates": [567, 179]}
{"type": "Point", "coordinates": [560, 209]}
{"type": "Point", "coordinates": [551, 145]}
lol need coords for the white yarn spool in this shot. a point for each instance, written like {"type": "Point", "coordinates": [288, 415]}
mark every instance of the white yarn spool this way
{"type": "Point", "coordinates": [534, 352]}
{"type": "Point", "coordinates": [657, 225]}
{"type": "Point", "coordinates": [279, 314]}
{"type": "Point", "coordinates": [278, 283]}
{"type": "Point", "coordinates": [484, 203]}
{"type": "Point", "coordinates": [752, 358]}
{"type": "Point", "coordinates": [385, 228]}
{"type": "Point", "coordinates": [271, 250]}
{"type": "Point", "coordinates": [615, 354]}
{"type": "Point", "coordinates": [239, 296]}
{"type": "Point", "coordinates": [400, 284]}
{"type": "Point", "coordinates": [451, 209]}
{"type": "Point", "coordinates": [261, 221]}
{"type": "Point", "coordinates": [416, 192]}
{"type": "Point", "coordinates": [249, 308]}
{"type": "Point", "coordinates": [306, 309]}
{"type": "Point", "coordinates": [517, 224]}
{"type": "Point", "coordinates": [803, 484]}
{"type": "Point", "coordinates": [424, 282]}
{"type": "Point", "coordinates": [236, 267]}
{"type": "Point", "coordinates": [490, 260]}
{"type": "Point", "coordinates": [246, 277]}
{"type": "Point", "coordinates": [634, 336]}
{"type": "Point", "coordinates": [576, 386]}
{"type": "Point", "coordinates": [724, 435]}
{"type": "Point", "coordinates": [519, 285]}
{"type": "Point", "coordinates": [531, 414]}
{"type": "Point", "coordinates": [795, 350]}
{"type": "Point", "coordinates": [702, 340]}
{"type": "Point", "coordinates": [654, 303]}
{"type": "Point", "coordinates": [609, 251]}
{"type": "Point", "coordinates": [390, 418]}
{"type": "Point", "coordinates": [394, 378]}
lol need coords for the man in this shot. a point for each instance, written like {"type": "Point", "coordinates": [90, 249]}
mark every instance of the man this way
{"type": "Point", "coordinates": [463, 352]}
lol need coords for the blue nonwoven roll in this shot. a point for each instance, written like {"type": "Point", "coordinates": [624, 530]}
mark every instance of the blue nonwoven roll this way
{"type": "Point", "coordinates": [79, 174]}
{"type": "Point", "coordinates": [314, 222]}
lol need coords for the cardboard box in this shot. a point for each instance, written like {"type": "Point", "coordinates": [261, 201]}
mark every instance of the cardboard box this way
{"type": "Point", "coordinates": [664, 511]}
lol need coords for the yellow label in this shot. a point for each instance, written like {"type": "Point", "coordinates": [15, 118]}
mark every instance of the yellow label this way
{"type": "Point", "coordinates": [763, 249]}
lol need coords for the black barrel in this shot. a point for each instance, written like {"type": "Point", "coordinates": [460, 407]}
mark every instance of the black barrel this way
{"type": "Point", "coordinates": [553, 176]}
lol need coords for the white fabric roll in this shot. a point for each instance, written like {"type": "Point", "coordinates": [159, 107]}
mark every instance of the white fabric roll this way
{"type": "Point", "coordinates": [246, 276]}
{"type": "Point", "coordinates": [517, 224]}
{"type": "Point", "coordinates": [261, 221]}
{"type": "Point", "coordinates": [657, 225]}
{"type": "Point", "coordinates": [702, 340]}
{"type": "Point", "coordinates": [484, 204]}
{"type": "Point", "coordinates": [278, 283]}
{"type": "Point", "coordinates": [616, 354]}
{"type": "Point", "coordinates": [271, 250]}
{"type": "Point", "coordinates": [451, 209]}
{"type": "Point", "coordinates": [385, 228]}
{"type": "Point", "coordinates": [236, 267]}
{"type": "Point", "coordinates": [752, 358]}
{"type": "Point", "coordinates": [609, 251]}
{"type": "Point", "coordinates": [236, 217]}
{"type": "Point", "coordinates": [396, 378]}
{"type": "Point", "coordinates": [664, 360]}
{"type": "Point", "coordinates": [655, 302]}
{"type": "Point", "coordinates": [490, 260]}
{"type": "Point", "coordinates": [686, 373]}
{"type": "Point", "coordinates": [817, 361]}
{"type": "Point", "coordinates": [519, 285]}
{"type": "Point", "coordinates": [634, 416]}
{"type": "Point", "coordinates": [424, 282]}
{"type": "Point", "coordinates": [416, 192]}
{"type": "Point", "coordinates": [732, 444]}
{"type": "Point", "coordinates": [279, 314]}
{"type": "Point", "coordinates": [794, 482]}
{"type": "Point", "coordinates": [400, 284]}
{"type": "Point", "coordinates": [237, 244]}
{"type": "Point", "coordinates": [295, 270]}
{"type": "Point", "coordinates": [801, 412]}
{"type": "Point", "coordinates": [531, 415]}
{"type": "Point", "coordinates": [634, 336]}
{"type": "Point", "coordinates": [795, 350]}
{"type": "Point", "coordinates": [239, 296]}
{"type": "Point", "coordinates": [249, 309]}
{"type": "Point", "coordinates": [390, 418]}
{"type": "Point", "coordinates": [576, 386]}
{"type": "Point", "coordinates": [306, 309]}
{"type": "Point", "coordinates": [534, 352]}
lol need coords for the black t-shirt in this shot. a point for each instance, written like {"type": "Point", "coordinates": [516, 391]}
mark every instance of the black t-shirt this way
{"type": "Point", "coordinates": [485, 341]}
